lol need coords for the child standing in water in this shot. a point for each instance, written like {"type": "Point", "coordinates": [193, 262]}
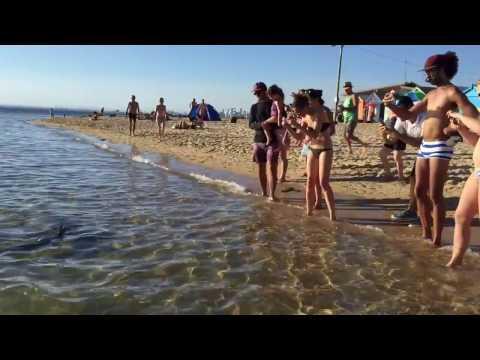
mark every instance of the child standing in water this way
{"type": "Point", "coordinates": [469, 204]}
{"type": "Point", "coordinates": [278, 113]}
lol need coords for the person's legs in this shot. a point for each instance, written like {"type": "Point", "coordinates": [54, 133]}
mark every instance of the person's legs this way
{"type": "Point", "coordinates": [353, 137]}
{"type": "Point", "coordinates": [259, 156]}
{"type": "Point", "coordinates": [468, 207]}
{"type": "Point", "coordinates": [346, 135]}
{"type": "Point", "coordinates": [272, 168]}
{"type": "Point", "coordinates": [163, 127]}
{"type": "Point", "coordinates": [437, 178]}
{"type": "Point", "coordinates": [284, 158]}
{"type": "Point", "coordinates": [324, 169]}
{"type": "Point", "coordinates": [383, 154]}
{"type": "Point", "coordinates": [312, 174]}
{"type": "Point", "coordinates": [421, 194]}
{"type": "Point", "coordinates": [262, 176]}
{"type": "Point", "coordinates": [130, 121]}
{"type": "Point", "coordinates": [412, 203]}
{"type": "Point", "coordinates": [398, 157]}
{"type": "Point", "coordinates": [134, 124]}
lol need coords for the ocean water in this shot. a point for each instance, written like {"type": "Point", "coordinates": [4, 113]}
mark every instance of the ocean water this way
{"type": "Point", "coordinates": [88, 227]}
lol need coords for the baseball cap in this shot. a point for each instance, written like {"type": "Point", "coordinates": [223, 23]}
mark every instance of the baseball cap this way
{"type": "Point", "coordinates": [348, 84]}
{"type": "Point", "coordinates": [433, 62]}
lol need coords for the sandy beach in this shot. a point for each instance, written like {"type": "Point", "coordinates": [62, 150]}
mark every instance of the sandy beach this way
{"type": "Point", "coordinates": [226, 146]}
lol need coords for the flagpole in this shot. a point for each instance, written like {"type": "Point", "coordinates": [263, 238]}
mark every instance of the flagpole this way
{"type": "Point", "coordinates": [338, 82]}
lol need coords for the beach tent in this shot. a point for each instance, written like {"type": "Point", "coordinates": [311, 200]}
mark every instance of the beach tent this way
{"type": "Point", "coordinates": [211, 112]}
{"type": "Point", "coordinates": [416, 94]}
{"type": "Point", "coordinates": [473, 95]}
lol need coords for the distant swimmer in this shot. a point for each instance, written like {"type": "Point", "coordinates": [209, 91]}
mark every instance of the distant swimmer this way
{"type": "Point", "coordinates": [161, 117]}
{"type": "Point", "coordinates": [133, 110]}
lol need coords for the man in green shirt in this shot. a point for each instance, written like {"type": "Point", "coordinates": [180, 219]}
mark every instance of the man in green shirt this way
{"type": "Point", "coordinates": [349, 114]}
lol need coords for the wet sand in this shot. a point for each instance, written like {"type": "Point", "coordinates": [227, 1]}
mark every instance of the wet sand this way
{"type": "Point", "coordinates": [364, 197]}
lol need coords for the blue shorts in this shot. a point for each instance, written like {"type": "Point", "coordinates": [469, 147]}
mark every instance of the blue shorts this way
{"type": "Point", "coordinates": [438, 149]}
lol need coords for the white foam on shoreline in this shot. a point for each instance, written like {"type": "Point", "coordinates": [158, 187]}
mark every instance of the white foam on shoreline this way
{"type": "Point", "coordinates": [229, 185]}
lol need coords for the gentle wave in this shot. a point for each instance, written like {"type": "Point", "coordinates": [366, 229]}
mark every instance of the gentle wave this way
{"type": "Point", "coordinates": [229, 185]}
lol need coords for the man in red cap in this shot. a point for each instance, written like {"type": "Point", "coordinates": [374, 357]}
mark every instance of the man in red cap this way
{"type": "Point", "coordinates": [435, 152]}
{"type": "Point", "coordinates": [264, 155]}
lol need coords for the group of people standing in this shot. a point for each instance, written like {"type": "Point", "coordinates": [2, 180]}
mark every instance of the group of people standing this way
{"type": "Point", "coordinates": [306, 121]}
{"type": "Point", "coordinates": [427, 125]}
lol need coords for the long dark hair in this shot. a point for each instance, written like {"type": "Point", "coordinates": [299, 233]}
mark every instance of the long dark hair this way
{"type": "Point", "coordinates": [275, 90]}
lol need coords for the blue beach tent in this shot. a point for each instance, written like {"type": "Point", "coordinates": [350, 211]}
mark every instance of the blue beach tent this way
{"type": "Point", "coordinates": [473, 95]}
{"type": "Point", "coordinates": [212, 113]}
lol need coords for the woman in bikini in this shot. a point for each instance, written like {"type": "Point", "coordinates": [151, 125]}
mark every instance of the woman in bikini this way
{"type": "Point", "coordinates": [161, 117]}
{"type": "Point", "coordinates": [315, 124]}
{"type": "Point", "coordinates": [468, 206]}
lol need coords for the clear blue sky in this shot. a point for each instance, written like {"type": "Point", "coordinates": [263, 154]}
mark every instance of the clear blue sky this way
{"type": "Point", "coordinates": [96, 76]}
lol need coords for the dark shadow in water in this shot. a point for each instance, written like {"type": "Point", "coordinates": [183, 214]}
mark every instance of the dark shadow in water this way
{"type": "Point", "coordinates": [41, 242]}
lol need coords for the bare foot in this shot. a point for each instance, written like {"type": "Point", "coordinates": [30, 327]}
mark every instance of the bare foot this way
{"type": "Point", "coordinates": [272, 199]}
{"type": "Point", "coordinates": [437, 243]}
{"type": "Point", "coordinates": [454, 262]}
{"type": "Point", "coordinates": [333, 218]}
{"type": "Point", "coordinates": [308, 212]}
{"type": "Point", "coordinates": [318, 206]}
{"type": "Point", "coordinates": [427, 234]}
{"type": "Point", "coordinates": [304, 174]}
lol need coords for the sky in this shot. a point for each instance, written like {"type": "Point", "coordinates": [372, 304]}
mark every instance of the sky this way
{"type": "Point", "coordinates": [105, 76]}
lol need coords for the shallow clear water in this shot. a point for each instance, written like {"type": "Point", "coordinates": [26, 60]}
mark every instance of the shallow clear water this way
{"type": "Point", "coordinates": [88, 230]}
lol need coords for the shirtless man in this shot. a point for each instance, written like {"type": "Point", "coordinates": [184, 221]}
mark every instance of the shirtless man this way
{"type": "Point", "coordinates": [133, 110]}
{"type": "Point", "coordinates": [161, 117]}
{"type": "Point", "coordinates": [435, 153]}
{"type": "Point", "coordinates": [469, 129]}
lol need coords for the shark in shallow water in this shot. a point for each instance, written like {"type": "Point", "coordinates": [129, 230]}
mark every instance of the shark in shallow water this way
{"type": "Point", "coordinates": [41, 242]}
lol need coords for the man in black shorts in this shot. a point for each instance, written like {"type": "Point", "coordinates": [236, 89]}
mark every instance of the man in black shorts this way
{"type": "Point", "coordinates": [133, 110]}
{"type": "Point", "coordinates": [264, 155]}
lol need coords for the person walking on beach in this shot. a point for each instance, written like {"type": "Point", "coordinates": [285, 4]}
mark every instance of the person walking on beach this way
{"type": "Point", "coordinates": [265, 156]}
{"type": "Point", "coordinates": [316, 126]}
{"type": "Point", "coordinates": [161, 117]}
{"type": "Point", "coordinates": [349, 114]}
{"type": "Point", "coordinates": [133, 111]}
{"type": "Point", "coordinates": [52, 113]}
{"type": "Point", "coordinates": [409, 132]}
{"type": "Point", "coordinates": [202, 114]}
{"type": "Point", "coordinates": [435, 151]}
{"type": "Point", "coordinates": [469, 204]}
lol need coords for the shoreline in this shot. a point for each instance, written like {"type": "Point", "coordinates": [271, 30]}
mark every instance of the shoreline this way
{"type": "Point", "coordinates": [363, 198]}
